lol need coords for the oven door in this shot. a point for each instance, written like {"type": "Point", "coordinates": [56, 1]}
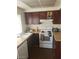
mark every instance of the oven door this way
{"type": "Point", "coordinates": [45, 39]}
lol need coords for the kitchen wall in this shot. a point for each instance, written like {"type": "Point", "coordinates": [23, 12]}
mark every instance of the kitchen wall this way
{"type": "Point", "coordinates": [57, 26]}
{"type": "Point", "coordinates": [25, 27]}
{"type": "Point", "coordinates": [54, 26]}
{"type": "Point", "coordinates": [21, 11]}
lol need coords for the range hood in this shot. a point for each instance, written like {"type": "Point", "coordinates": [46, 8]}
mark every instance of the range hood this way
{"type": "Point", "coordinates": [46, 20]}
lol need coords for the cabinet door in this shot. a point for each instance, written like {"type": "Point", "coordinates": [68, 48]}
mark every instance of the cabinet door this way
{"type": "Point", "coordinates": [58, 50]}
{"type": "Point", "coordinates": [23, 51]}
{"type": "Point", "coordinates": [36, 39]}
{"type": "Point", "coordinates": [28, 18]}
{"type": "Point", "coordinates": [57, 17]}
{"type": "Point", "coordinates": [43, 15]}
{"type": "Point", "coordinates": [35, 17]}
{"type": "Point", "coordinates": [32, 18]}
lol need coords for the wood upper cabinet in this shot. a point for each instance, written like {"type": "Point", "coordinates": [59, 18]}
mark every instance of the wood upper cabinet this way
{"type": "Point", "coordinates": [32, 18]}
{"type": "Point", "coordinates": [43, 15]}
{"type": "Point", "coordinates": [35, 18]}
{"type": "Point", "coordinates": [28, 18]}
{"type": "Point", "coordinates": [57, 17]}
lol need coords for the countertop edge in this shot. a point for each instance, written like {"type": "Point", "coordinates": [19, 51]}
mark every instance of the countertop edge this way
{"type": "Point", "coordinates": [18, 45]}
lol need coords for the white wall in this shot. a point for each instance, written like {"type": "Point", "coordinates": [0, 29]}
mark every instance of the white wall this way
{"type": "Point", "coordinates": [21, 11]}
{"type": "Point", "coordinates": [57, 26]}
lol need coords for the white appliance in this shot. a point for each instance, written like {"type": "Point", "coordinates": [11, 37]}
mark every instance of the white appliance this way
{"type": "Point", "coordinates": [46, 35]}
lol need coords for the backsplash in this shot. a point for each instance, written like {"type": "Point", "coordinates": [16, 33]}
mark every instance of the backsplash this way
{"type": "Point", "coordinates": [56, 28]}
{"type": "Point", "coordinates": [33, 27]}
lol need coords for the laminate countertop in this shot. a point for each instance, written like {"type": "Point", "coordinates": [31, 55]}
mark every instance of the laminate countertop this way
{"type": "Point", "coordinates": [23, 38]}
{"type": "Point", "coordinates": [57, 36]}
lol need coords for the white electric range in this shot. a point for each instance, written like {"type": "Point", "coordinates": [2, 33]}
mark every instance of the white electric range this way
{"type": "Point", "coordinates": [46, 35]}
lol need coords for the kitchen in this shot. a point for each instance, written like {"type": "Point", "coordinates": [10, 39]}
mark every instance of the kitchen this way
{"type": "Point", "coordinates": [37, 20]}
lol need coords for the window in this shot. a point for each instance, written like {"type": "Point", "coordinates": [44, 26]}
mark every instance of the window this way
{"type": "Point", "coordinates": [18, 25]}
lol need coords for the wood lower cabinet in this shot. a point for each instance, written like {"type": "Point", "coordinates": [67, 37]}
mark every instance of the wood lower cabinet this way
{"type": "Point", "coordinates": [58, 50]}
{"type": "Point", "coordinates": [32, 42]}
{"type": "Point", "coordinates": [35, 39]}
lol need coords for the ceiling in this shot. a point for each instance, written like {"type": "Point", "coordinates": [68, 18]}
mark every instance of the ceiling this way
{"type": "Point", "coordinates": [39, 3]}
